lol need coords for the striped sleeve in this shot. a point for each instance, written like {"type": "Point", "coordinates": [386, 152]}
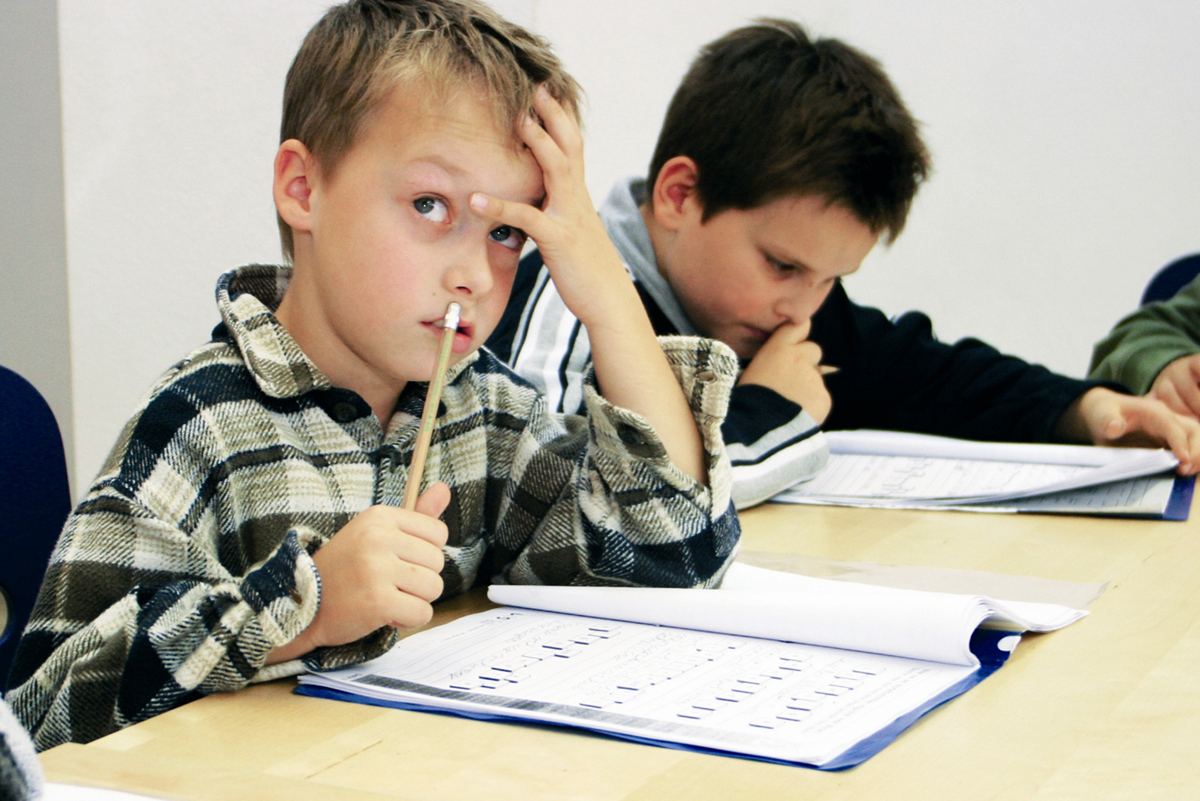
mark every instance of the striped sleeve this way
{"type": "Point", "coordinates": [772, 444]}
{"type": "Point", "coordinates": [551, 348]}
{"type": "Point", "coordinates": [606, 504]}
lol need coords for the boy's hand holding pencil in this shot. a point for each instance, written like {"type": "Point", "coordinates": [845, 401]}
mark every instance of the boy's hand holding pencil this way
{"type": "Point", "coordinates": [383, 568]}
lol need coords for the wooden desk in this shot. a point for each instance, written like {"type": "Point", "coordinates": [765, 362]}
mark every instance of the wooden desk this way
{"type": "Point", "coordinates": [1107, 708]}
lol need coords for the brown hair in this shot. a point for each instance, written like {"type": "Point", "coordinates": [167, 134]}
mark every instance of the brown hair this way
{"type": "Point", "coordinates": [766, 113]}
{"type": "Point", "coordinates": [361, 50]}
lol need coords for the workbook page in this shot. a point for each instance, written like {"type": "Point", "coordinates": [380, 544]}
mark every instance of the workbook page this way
{"type": "Point", "coordinates": [882, 468]}
{"type": "Point", "coordinates": [754, 602]}
{"type": "Point", "coordinates": [1147, 496]}
{"type": "Point", "coordinates": [773, 699]}
{"type": "Point", "coordinates": [919, 478]}
{"type": "Point", "coordinates": [905, 443]}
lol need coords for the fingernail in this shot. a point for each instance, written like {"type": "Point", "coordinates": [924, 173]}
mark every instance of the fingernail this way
{"type": "Point", "coordinates": [478, 201]}
{"type": "Point", "coordinates": [543, 92]}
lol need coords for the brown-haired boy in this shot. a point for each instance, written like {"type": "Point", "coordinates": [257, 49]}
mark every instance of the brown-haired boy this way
{"type": "Point", "coordinates": [781, 162]}
{"type": "Point", "coordinates": [247, 524]}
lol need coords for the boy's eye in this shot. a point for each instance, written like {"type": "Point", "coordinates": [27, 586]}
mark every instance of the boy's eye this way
{"type": "Point", "coordinates": [431, 209]}
{"type": "Point", "coordinates": [781, 266]}
{"type": "Point", "coordinates": [508, 236]}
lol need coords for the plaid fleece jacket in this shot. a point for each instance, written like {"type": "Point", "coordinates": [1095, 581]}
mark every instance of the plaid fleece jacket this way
{"type": "Point", "coordinates": [190, 558]}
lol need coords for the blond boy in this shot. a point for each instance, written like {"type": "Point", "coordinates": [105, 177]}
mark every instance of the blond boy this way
{"type": "Point", "coordinates": [246, 525]}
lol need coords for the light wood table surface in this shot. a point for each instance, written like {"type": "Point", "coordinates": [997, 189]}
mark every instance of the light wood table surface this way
{"type": "Point", "coordinates": [1106, 708]}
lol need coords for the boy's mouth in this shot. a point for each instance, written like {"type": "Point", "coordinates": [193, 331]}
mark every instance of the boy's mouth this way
{"type": "Point", "coordinates": [462, 337]}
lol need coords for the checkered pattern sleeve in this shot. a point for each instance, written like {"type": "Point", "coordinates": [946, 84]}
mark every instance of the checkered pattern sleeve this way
{"type": "Point", "coordinates": [112, 648]}
{"type": "Point", "coordinates": [596, 500]}
{"type": "Point", "coordinates": [159, 591]}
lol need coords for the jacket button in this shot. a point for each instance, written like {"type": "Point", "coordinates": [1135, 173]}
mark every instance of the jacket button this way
{"type": "Point", "coordinates": [344, 412]}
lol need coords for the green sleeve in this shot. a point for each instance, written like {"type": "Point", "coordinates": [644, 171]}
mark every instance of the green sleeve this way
{"type": "Point", "coordinates": [1145, 342]}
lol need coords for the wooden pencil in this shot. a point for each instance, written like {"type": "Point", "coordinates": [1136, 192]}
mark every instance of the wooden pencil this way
{"type": "Point", "coordinates": [433, 397]}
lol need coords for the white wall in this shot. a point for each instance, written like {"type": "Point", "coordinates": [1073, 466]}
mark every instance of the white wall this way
{"type": "Point", "coordinates": [170, 123]}
{"type": "Point", "coordinates": [1064, 136]}
{"type": "Point", "coordinates": [34, 328]}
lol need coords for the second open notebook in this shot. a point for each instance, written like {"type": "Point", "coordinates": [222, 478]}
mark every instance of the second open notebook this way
{"type": "Point", "coordinates": [773, 666]}
{"type": "Point", "coordinates": [902, 470]}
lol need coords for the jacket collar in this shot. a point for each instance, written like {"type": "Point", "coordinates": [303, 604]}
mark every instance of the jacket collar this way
{"type": "Point", "coordinates": [247, 299]}
{"type": "Point", "coordinates": [625, 225]}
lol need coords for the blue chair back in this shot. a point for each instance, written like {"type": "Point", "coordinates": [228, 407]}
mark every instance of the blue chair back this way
{"type": "Point", "coordinates": [35, 499]}
{"type": "Point", "coordinates": [1172, 278]}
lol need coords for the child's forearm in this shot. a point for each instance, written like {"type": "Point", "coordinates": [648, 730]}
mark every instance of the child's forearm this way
{"type": "Point", "coordinates": [631, 368]}
{"type": "Point", "coordinates": [633, 373]}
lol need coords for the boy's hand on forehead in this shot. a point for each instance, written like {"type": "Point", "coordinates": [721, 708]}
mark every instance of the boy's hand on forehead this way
{"type": "Point", "coordinates": [631, 369]}
{"type": "Point", "coordinates": [569, 234]}
{"type": "Point", "coordinates": [789, 364]}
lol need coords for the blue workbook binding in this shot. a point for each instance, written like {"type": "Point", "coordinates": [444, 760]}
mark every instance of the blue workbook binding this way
{"type": "Point", "coordinates": [991, 647]}
{"type": "Point", "coordinates": [772, 666]}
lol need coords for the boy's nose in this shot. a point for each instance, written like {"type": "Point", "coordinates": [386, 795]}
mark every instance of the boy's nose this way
{"type": "Point", "coordinates": [801, 304]}
{"type": "Point", "coordinates": [470, 272]}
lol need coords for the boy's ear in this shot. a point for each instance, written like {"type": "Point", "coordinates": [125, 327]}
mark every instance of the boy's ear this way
{"type": "Point", "coordinates": [295, 173]}
{"type": "Point", "coordinates": [674, 193]}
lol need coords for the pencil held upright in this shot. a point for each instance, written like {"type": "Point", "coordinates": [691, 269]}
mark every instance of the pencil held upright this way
{"type": "Point", "coordinates": [433, 396]}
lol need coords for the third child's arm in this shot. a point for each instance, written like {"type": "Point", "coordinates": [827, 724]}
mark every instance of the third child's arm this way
{"type": "Point", "coordinates": [1104, 417]}
{"type": "Point", "coordinates": [631, 369]}
{"type": "Point", "coordinates": [1178, 386]}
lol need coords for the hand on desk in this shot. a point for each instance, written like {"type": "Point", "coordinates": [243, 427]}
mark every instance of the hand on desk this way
{"type": "Point", "coordinates": [789, 364]}
{"type": "Point", "coordinates": [1178, 386]}
{"type": "Point", "coordinates": [1104, 417]}
{"type": "Point", "coordinates": [382, 569]}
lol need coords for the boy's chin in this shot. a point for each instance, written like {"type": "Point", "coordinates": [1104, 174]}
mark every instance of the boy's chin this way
{"type": "Point", "coordinates": [455, 358]}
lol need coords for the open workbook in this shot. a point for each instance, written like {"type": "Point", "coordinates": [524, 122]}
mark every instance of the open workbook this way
{"type": "Point", "coordinates": [902, 470]}
{"type": "Point", "coordinates": [772, 666]}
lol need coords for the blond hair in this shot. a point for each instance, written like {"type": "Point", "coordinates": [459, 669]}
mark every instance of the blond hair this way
{"type": "Point", "coordinates": [361, 50]}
